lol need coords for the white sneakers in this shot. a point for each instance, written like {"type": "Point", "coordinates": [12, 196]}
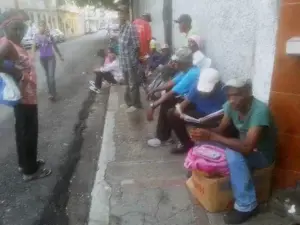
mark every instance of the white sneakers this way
{"type": "Point", "coordinates": [155, 143]}
{"type": "Point", "coordinates": [131, 109]}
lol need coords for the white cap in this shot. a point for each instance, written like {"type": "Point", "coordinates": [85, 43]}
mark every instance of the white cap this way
{"type": "Point", "coordinates": [237, 82]}
{"type": "Point", "coordinates": [208, 79]}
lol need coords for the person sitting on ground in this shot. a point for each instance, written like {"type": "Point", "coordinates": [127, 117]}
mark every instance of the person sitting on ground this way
{"type": "Point", "coordinates": [254, 149]}
{"type": "Point", "coordinates": [166, 54]}
{"type": "Point", "coordinates": [154, 59]}
{"type": "Point", "coordinates": [177, 89]}
{"type": "Point", "coordinates": [195, 44]}
{"type": "Point", "coordinates": [206, 97]}
{"type": "Point", "coordinates": [110, 72]}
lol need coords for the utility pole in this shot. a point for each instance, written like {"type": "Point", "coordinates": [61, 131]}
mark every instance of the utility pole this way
{"type": "Point", "coordinates": [16, 4]}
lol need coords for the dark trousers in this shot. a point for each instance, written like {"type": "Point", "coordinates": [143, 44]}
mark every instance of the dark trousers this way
{"type": "Point", "coordinates": [108, 76]}
{"type": "Point", "coordinates": [26, 129]}
{"type": "Point", "coordinates": [49, 65]}
{"type": "Point", "coordinates": [178, 125]}
{"type": "Point", "coordinates": [164, 128]}
{"type": "Point", "coordinates": [132, 93]}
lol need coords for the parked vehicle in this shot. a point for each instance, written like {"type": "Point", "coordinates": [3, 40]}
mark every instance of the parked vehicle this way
{"type": "Point", "coordinates": [28, 39]}
{"type": "Point", "coordinates": [58, 35]}
{"type": "Point", "coordinates": [27, 42]}
{"type": "Point", "coordinates": [113, 30]}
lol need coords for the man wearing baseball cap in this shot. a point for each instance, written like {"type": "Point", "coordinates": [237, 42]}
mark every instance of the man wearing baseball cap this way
{"type": "Point", "coordinates": [177, 89]}
{"type": "Point", "coordinates": [207, 96]}
{"type": "Point", "coordinates": [185, 27]}
{"type": "Point", "coordinates": [254, 149]}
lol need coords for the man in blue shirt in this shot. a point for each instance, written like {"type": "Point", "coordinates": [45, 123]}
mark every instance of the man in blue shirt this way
{"type": "Point", "coordinates": [177, 89]}
{"type": "Point", "coordinates": [206, 97]}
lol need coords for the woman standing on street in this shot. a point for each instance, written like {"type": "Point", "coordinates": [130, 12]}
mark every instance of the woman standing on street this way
{"type": "Point", "coordinates": [26, 112]}
{"type": "Point", "coordinates": [46, 44]}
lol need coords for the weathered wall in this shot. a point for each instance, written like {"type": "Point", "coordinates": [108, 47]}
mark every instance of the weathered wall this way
{"type": "Point", "coordinates": [240, 35]}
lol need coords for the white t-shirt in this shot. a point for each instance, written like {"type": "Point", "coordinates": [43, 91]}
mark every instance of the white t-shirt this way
{"type": "Point", "coordinates": [198, 57]}
{"type": "Point", "coordinates": [114, 68]}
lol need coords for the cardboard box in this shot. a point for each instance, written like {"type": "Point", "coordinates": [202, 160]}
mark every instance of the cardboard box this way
{"type": "Point", "coordinates": [215, 194]}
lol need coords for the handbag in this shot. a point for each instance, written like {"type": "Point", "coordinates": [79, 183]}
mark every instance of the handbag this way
{"type": "Point", "coordinates": [10, 94]}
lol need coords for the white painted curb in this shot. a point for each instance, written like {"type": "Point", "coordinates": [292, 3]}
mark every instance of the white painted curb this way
{"type": "Point", "coordinates": [100, 202]}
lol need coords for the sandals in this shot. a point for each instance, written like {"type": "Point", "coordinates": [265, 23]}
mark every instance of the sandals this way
{"type": "Point", "coordinates": [40, 163]}
{"type": "Point", "coordinates": [39, 174]}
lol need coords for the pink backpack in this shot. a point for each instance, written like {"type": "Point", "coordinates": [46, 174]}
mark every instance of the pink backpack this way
{"type": "Point", "coordinates": [209, 158]}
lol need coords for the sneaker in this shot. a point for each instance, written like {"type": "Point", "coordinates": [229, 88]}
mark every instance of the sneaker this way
{"type": "Point", "coordinates": [52, 98]}
{"type": "Point", "coordinates": [131, 109]}
{"type": "Point", "coordinates": [179, 149]}
{"type": "Point", "coordinates": [92, 83]}
{"type": "Point", "coordinates": [154, 143]}
{"type": "Point", "coordinates": [40, 163]}
{"type": "Point", "coordinates": [124, 106]}
{"type": "Point", "coordinates": [94, 89]}
{"type": "Point", "coordinates": [39, 174]}
{"type": "Point", "coordinates": [237, 217]}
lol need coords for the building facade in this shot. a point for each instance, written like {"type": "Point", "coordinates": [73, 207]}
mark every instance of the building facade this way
{"type": "Point", "coordinates": [66, 17]}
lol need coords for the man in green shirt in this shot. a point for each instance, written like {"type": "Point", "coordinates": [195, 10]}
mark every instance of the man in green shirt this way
{"type": "Point", "coordinates": [185, 27]}
{"type": "Point", "coordinates": [254, 149]}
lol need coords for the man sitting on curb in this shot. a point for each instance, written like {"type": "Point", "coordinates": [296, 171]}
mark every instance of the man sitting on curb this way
{"type": "Point", "coordinates": [254, 149]}
{"type": "Point", "coordinates": [206, 97]}
{"type": "Point", "coordinates": [180, 86]}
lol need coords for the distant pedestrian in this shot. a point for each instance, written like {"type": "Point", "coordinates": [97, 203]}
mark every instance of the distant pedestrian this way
{"type": "Point", "coordinates": [26, 113]}
{"type": "Point", "coordinates": [46, 43]}
{"type": "Point", "coordinates": [129, 61]}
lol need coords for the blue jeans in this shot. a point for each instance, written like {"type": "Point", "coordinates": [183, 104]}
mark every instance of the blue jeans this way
{"type": "Point", "coordinates": [240, 168]}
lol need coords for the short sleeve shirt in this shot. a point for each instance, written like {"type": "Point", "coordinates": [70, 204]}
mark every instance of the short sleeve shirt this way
{"type": "Point", "coordinates": [178, 77]}
{"type": "Point", "coordinates": [186, 83]}
{"type": "Point", "coordinates": [258, 116]}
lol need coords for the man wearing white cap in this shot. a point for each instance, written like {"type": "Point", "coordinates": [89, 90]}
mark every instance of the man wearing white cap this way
{"type": "Point", "coordinates": [178, 87]}
{"type": "Point", "coordinates": [254, 149]}
{"type": "Point", "coordinates": [206, 97]}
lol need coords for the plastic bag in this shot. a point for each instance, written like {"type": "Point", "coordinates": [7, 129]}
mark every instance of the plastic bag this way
{"type": "Point", "coordinates": [9, 92]}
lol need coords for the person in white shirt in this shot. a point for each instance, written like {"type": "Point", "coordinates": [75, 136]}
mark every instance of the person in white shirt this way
{"type": "Point", "coordinates": [110, 72]}
{"type": "Point", "coordinates": [199, 59]}
{"type": "Point", "coordinates": [184, 22]}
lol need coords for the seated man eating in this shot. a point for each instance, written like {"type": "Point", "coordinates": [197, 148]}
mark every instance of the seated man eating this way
{"type": "Point", "coordinates": [177, 89]}
{"type": "Point", "coordinates": [206, 97]}
{"type": "Point", "coordinates": [254, 149]}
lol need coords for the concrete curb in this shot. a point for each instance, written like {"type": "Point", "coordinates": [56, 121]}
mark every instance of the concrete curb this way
{"type": "Point", "coordinates": [100, 202]}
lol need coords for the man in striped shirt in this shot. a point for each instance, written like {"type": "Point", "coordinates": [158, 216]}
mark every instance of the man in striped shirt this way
{"type": "Point", "coordinates": [129, 61]}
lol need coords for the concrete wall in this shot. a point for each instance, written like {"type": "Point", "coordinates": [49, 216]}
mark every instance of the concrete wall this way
{"type": "Point", "coordinates": [240, 35]}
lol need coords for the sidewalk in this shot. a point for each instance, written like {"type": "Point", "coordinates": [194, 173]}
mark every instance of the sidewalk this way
{"type": "Point", "coordinates": [139, 185]}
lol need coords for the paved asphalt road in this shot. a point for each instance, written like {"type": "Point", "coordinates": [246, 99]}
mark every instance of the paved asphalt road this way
{"type": "Point", "coordinates": [60, 137]}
